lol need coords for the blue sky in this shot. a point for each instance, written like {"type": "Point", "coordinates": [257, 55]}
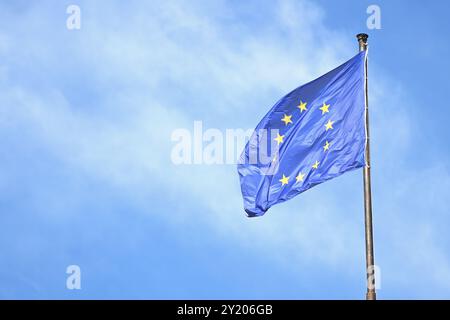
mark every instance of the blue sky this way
{"type": "Point", "coordinates": [86, 177]}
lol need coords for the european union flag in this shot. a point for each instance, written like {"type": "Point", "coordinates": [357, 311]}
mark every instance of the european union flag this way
{"type": "Point", "coordinates": [313, 134]}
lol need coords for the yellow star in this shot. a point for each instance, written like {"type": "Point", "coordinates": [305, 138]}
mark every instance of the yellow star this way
{"type": "Point", "coordinates": [324, 108]}
{"type": "Point", "coordinates": [326, 146]}
{"type": "Point", "coordinates": [287, 119]}
{"type": "Point", "coordinates": [300, 177]}
{"type": "Point", "coordinates": [302, 106]}
{"type": "Point", "coordinates": [315, 165]}
{"type": "Point", "coordinates": [279, 138]}
{"type": "Point", "coordinates": [329, 125]}
{"type": "Point", "coordinates": [284, 180]}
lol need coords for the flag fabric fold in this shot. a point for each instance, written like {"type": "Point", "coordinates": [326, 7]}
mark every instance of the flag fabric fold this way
{"type": "Point", "coordinates": [313, 134]}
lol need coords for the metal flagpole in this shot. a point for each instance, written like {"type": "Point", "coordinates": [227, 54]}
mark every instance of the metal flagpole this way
{"type": "Point", "coordinates": [370, 266]}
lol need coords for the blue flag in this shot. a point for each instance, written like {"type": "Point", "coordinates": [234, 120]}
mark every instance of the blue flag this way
{"type": "Point", "coordinates": [313, 134]}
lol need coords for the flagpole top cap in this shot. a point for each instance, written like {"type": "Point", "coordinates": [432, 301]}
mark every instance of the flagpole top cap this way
{"type": "Point", "coordinates": [362, 37]}
{"type": "Point", "coordinates": [362, 41]}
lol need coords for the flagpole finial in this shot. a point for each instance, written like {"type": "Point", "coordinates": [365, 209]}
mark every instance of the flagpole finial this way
{"type": "Point", "coordinates": [362, 40]}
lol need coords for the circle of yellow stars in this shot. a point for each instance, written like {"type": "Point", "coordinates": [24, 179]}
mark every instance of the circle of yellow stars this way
{"type": "Point", "coordinates": [287, 119]}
